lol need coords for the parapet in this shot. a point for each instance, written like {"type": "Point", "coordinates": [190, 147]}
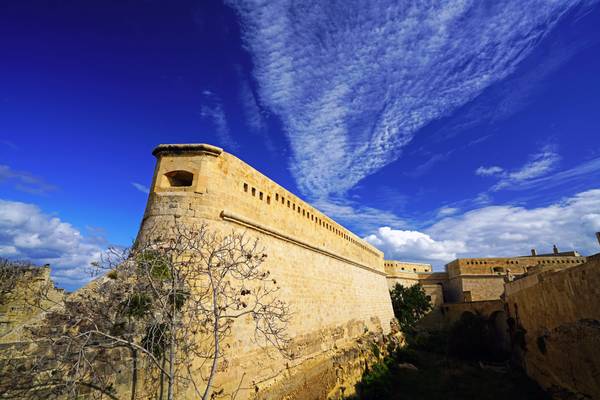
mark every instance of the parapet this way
{"type": "Point", "coordinates": [200, 183]}
{"type": "Point", "coordinates": [395, 266]}
{"type": "Point", "coordinates": [187, 149]}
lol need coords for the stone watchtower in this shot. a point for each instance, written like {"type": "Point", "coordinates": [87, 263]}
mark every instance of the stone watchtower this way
{"type": "Point", "coordinates": [180, 186]}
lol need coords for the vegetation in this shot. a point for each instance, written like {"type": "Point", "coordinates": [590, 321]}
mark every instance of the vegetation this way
{"type": "Point", "coordinates": [164, 308]}
{"type": "Point", "coordinates": [410, 305]}
{"type": "Point", "coordinates": [423, 372]}
{"type": "Point", "coordinates": [461, 363]}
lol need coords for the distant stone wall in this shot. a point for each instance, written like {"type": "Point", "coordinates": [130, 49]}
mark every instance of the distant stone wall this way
{"type": "Point", "coordinates": [480, 279]}
{"type": "Point", "coordinates": [33, 292]}
{"type": "Point", "coordinates": [556, 333]}
{"type": "Point", "coordinates": [394, 266]}
{"type": "Point", "coordinates": [507, 265]}
{"type": "Point", "coordinates": [334, 281]}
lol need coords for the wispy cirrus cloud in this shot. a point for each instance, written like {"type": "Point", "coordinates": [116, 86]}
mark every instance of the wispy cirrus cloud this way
{"type": "Point", "coordinates": [212, 110]}
{"type": "Point", "coordinates": [253, 114]}
{"type": "Point", "coordinates": [539, 164]}
{"type": "Point", "coordinates": [588, 171]}
{"type": "Point", "coordinates": [358, 217]}
{"type": "Point", "coordinates": [353, 82]}
{"type": "Point", "coordinates": [489, 171]}
{"type": "Point", "coordinates": [25, 181]}
{"type": "Point", "coordinates": [140, 187]}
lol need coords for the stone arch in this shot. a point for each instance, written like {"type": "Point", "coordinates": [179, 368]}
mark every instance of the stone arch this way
{"type": "Point", "coordinates": [500, 331]}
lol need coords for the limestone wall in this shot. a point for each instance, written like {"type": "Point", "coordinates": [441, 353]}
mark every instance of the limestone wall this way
{"type": "Point", "coordinates": [557, 330]}
{"type": "Point", "coordinates": [511, 265]}
{"type": "Point", "coordinates": [479, 279]}
{"type": "Point", "coordinates": [33, 292]}
{"type": "Point", "coordinates": [394, 266]}
{"type": "Point", "coordinates": [334, 282]}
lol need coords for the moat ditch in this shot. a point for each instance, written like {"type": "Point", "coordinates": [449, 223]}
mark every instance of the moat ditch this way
{"type": "Point", "coordinates": [429, 370]}
{"type": "Point", "coordinates": [422, 375]}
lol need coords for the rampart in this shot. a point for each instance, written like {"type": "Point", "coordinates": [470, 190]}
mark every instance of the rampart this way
{"type": "Point", "coordinates": [334, 281]}
{"type": "Point", "coordinates": [556, 330]}
{"type": "Point", "coordinates": [481, 279]}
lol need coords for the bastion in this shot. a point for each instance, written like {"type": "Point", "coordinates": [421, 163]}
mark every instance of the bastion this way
{"type": "Point", "coordinates": [334, 282]}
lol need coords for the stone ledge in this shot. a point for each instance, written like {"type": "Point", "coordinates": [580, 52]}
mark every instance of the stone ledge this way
{"type": "Point", "coordinates": [187, 149]}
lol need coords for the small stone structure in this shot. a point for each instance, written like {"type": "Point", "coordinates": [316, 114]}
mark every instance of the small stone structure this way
{"type": "Point", "coordinates": [334, 282]}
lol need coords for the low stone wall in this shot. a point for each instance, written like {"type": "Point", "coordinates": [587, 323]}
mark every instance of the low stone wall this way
{"type": "Point", "coordinates": [556, 330]}
{"type": "Point", "coordinates": [33, 292]}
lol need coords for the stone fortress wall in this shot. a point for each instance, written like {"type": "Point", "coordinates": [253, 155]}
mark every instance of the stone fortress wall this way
{"type": "Point", "coordinates": [557, 326]}
{"type": "Point", "coordinates": [474, 284]}
{"type": "Point", "coordinates": [334, 281]}
{"type": "Point", "coordinates": [481, 279]}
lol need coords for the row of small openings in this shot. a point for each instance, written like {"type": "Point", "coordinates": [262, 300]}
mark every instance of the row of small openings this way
{"type": "Point", "coordinates": [402, 268]}
{"type": "Point", "coordinates": [569, 261]}
{"type": "Point", "coordinates": [305, 213]}
{"type": "Point", "coordinates": [485, 262]}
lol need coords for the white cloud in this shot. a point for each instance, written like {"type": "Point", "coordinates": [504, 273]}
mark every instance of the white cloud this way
{"type": "Point", "coordinates": [140, 187]}
{"type": "Point", "coordinates": [354, 81]}
{"type": "Point", "coordinates": [29, 234]}
{"type": "Point", "coordinates": [488, 171]}
{"type": "Point", "coordinates": [499, 231]}
{"type": "Point", "coordinates": [413, 245]}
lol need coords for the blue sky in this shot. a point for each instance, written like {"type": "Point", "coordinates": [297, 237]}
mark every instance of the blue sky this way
{"type": "Point", "coordinates": [434, 129]}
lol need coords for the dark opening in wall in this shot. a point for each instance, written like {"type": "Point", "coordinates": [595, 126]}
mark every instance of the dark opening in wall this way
{"type": "Point", "coordinates": [245, 187]}
{"type": "Point", "coordinates": [180, 178]}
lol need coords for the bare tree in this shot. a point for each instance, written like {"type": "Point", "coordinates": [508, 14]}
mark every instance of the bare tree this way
{"type": "Point", "coordinates": [192, 285]}
{"type": "Point", "coordinates": [165, 308]}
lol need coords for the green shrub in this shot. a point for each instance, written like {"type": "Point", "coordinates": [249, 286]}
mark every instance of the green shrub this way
{"type": "Point", "coordinates": [410, 305]}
